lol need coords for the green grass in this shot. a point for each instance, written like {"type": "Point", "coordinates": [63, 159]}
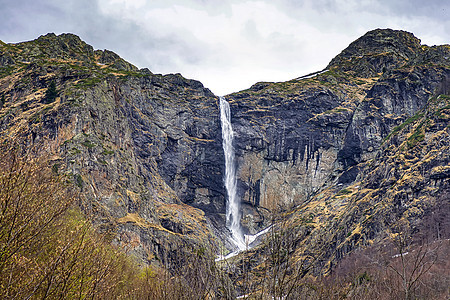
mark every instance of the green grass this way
{"type": "Point", "coordinates": [74, 151]}
{"type": "Point", "coordinates": [107, 152]}
{"type": "Point", "coordinates": [88, 144]}
{"type": "Point", "coordinates": [79, 181]}
{"type": "Point", "coordinates": [307, 219]}
{"type": "Point", "coordinates": [414, 139]}
{"type": "Point", "coordinates": [439, 113]}
{"type": "Point", "coordinates": [335, 110]}
{"type": "Point", "coordinates": [418, 134]}
{"type": "Point", "coordinates": [88, 82]}
{"type": "Point", "coordinates": [6, 71]}
{"type": "Point", "coordinates": [343, 192]}
{"type": "Point", "coordinates": [408, 121]}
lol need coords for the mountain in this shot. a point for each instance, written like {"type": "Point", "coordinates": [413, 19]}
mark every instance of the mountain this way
{"type": "Point", "coordinates": [143, 149]}
{"type": "Point", "coordinates": [350, 152]}
{"type": "Point", "coordinates": [344, 155]}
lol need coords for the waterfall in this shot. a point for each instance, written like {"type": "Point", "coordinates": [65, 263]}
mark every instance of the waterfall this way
{"type": "Point", "coordinates": [233, 204]}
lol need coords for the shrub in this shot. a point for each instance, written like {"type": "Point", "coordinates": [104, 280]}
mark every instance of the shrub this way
{"type": "Point", "coordinates": [51, 93]}
{"type": "Point", "coordinates": [47, 247]}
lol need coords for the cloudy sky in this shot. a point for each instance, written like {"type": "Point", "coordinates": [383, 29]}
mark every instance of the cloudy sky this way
{"type": "Point", "coordinates": [226, 44]}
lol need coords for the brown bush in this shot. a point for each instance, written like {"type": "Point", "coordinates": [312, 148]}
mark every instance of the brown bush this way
{"type": "Point", "coordinates": [47, 248]}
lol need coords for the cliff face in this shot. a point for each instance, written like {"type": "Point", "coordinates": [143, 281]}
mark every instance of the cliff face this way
{"type": "Point", "coordinates": [347, 152]}
{"type": "Point", "coordinates": [356, 148]}
{"type": "Point", "coordinates": [144, 149]}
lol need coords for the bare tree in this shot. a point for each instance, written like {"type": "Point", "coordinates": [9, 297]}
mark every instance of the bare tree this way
{"type": "Point", "coordinates": [410, 263]}
{"type": "Point", "coordinates": [47, 247]}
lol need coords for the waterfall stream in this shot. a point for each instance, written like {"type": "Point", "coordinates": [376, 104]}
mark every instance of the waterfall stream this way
{"type": "Point", "coordinates": [233, 213]}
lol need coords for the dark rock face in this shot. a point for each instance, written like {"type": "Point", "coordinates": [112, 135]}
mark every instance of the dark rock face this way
{"type": "Point", "coordinates": [283, 141]}
{"type": "Point", "coordinates": [144, 149]}
{"type": "Point", "coordinates": [181, 135]}
{"type": "Point", "coordinates": [333, 145]}
{"type": "Point", "coordinates": [388, 103]}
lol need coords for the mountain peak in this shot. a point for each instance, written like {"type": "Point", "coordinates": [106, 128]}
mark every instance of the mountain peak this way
{"type": "Point", "coordinates": [64, 47]}
{"type": "Point", "coordinates": [376, 51]}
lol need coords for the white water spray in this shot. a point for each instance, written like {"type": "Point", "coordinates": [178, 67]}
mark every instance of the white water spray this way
{"type": "Point", "coordinates": [233, 204]}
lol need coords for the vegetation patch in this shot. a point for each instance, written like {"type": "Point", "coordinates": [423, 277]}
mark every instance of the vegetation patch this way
{"type": "Point", "coordinates": [408, 121]}
{"type": "Point", "coordinates": [88, 82]}
{"type": "Point", "coordinates": [6, 71]}
{"type": "Point", "coordinates": [35, 118]}
{"type": "Point", "coordinates": [88, 144]}
{"type": "Point", "coordinates": [79, 180]}
{"type": "Point", "coordinates": [74, 151]}
{"type": "Point", "coordinates": [417, 137]}
{"type": "Point", "coordinates": [441, 113]}
{"type": "Point", "coordinates": [344, 192]}
{"type": "Point", "coordinates": [107, 152]}
{"type": "Point", "coordinates": [52, 251]}
{"type": "Point", "coordinates": [335, 110]}
{"type": "Point", "coordinates": [55, 168]}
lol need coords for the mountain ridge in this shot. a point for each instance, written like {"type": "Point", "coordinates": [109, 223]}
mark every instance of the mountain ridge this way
{"type": "Point", "coordinates": [145, 149]}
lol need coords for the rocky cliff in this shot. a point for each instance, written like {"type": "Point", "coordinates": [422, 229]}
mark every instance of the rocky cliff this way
{"type": "Point", "coordinates": [347, 152]}
{"type": "Point", "coordinates": [144, 149]}
{"type": "Point", "coordinates": [352, 151]}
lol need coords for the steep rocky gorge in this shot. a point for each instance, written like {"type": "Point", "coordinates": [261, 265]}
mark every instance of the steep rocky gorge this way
{"type": "Point", "coordinates": [346, 152]}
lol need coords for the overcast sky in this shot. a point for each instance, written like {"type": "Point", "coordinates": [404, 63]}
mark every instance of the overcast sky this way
{"type": "Point", "coordinates": [226, 44]}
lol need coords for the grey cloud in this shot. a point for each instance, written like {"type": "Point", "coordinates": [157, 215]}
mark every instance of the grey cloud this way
{"type": "Point", "coordinates": [430, 8]}
{"type": "Point", "coordinates": [212, 7]}
{"type": "Point", "coordinates": [25, 20]}
{"type": "Point", "coordinates": [439, 9]}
